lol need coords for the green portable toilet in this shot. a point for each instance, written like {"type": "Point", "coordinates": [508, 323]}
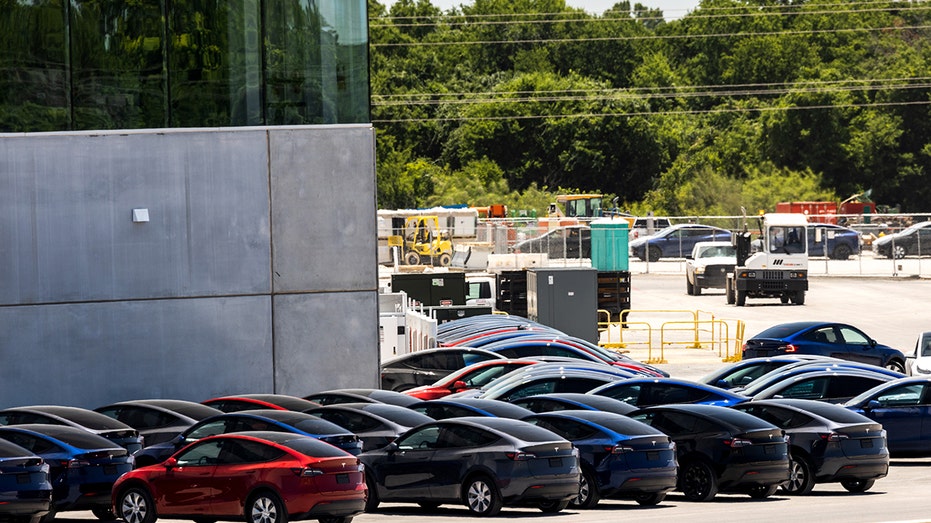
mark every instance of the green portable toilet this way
{"type": "Point", "coordinates": [609, 244]}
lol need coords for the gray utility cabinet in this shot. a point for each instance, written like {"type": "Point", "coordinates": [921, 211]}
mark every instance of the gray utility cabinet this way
{"type": "Point", "coordinates": [565, 299]}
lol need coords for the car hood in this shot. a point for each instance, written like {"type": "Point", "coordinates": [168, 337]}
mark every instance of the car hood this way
{"type": "Point", "coordinates": [882, 240]}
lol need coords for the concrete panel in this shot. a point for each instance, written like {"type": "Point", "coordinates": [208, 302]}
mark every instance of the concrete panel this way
{"type": "Point", "coordinates": [66, 204]}
{"type": "Point", "coordinates": [91, 354]}
{"type": "Point", "coordinates": [326, 341]}
{"type": "Point", "coordinates": [323, 209]}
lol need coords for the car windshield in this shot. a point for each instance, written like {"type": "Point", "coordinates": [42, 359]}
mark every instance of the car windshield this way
{"type": "Point", "coordinates": [717, 251]}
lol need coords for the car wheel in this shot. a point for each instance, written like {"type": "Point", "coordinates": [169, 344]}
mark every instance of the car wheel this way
{"type": "Point", "coordinates": [552, 507]}
{"type": "Point", "coordinates": [481, 496]}
{"type": "Point", "coordinates": [588, 491]}
{"type": "Point", "coordinates": [895, 365]}
{"type": "Point", "coordinates": [371, 497]}
{"type": "Point", "coordinates": [798, 298]}
{"type": "Point", "coordinates": [266, 507]}
{"type": "Point", "coordinates": [444, 259]}
{"type": "Point", "coordinates": [135, 506]}
{"type": "Point", "coordinates": [729, 291]}
{"type": "Point", "coordinates": [50, 516]}
{"type": "Point", "coordinates": [655, 253]}
{"type": "Point", "coordinates": [741, 298]}
{"type": "Point", "coordinates": [857, 485]}
{"type": "Point", "coordinates": [899, 252]}
{"type": "Point", "coordinates": [698, 482]}
{"type": "Point", "coordinates": [697, 290]}
{"type": "Point", "coordinates": [801, 480]}
{"type": "Point", "coordinates": [841, 252]}
{"type": "Point", "coordinates": [783, 298]}
{"type": "Point", "coordinates": [103, 513]}
{"type": "Point", "coordinates": [648, 500]}
{"type": "Point", "coordinates": [763, 492]}
{"type": "Point", "coordinates": [689, 288]}
{"type": "Point", "coordinates": [412, 258]}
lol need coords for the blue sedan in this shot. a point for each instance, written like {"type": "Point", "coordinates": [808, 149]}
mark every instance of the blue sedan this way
{"type": "Point", "coordinates": [837, 340]}
{"type": "Point", "coordinates": [833, 241]}
{"type": "Point", "coordinates": [82, 466]}
{"type": "Point", "coordinates": [903, 407]}
{"type": "Point", "coordinates": [646, 392]}
{"type": "Point", "coordinates": [676, 241]}
{"type": "Point", "coordinates": [620, 457]}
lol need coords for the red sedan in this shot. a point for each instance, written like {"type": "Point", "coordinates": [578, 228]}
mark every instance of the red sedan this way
{"type": "Point", "coordinates": [264, 477]}
{"type": "Point", "coordinates": [471, 377]}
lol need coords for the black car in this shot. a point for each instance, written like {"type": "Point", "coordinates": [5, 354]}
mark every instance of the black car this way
{"type": "Point", "coordinates": [835, 385]}
{"type": "Point", "coordinates": [105, 426]}
{"type": "Point", "coordinates": [158, 420]}
{"type": "Point", "coordinates": [827, 443]}
{"type": "Point", "coordinates": [427, 366]}
{"type": "Point", "coordinates": [620, 457]}
{"type": "Point", "coordinates": [482, 462]}
{"type": "Point", "coordinates": [573, 401]}
{"type": "Point", "coordinates": [465, 407]}
{"type": "Point", "coordinates": [722, 450]}
{"type": "Point", "coordinates": [252, 421]}
{"type": "Point", "coordinates": [915, 240]}
{"type": "Point", "coordinates": [532, 384]}
{"type": "Point", "coordinates": [837, 340]}
{"type": "Point", "coordinates": [330, 397]}
{"type": "Point", "coordinates": [571, 242]}
{"type": "Point", "coordinates": [376, 424]}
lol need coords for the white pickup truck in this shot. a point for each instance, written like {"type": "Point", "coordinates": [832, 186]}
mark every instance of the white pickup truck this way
{"type": "Point", "coordinates": [708, 265]}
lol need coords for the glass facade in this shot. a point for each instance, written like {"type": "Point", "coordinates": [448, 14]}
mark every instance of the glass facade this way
{"type": "Point", "coordinates": [132, 64]}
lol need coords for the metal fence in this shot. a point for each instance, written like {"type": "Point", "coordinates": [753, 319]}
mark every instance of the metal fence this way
{"type": "Point", "coordinates": [887, 244]}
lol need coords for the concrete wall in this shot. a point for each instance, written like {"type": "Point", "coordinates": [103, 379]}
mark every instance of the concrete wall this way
{"type": "Point", "coordinates": [256, 271]}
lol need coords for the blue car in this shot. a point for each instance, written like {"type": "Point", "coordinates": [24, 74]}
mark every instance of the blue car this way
{"type": "Point", "coordinates": [646, 392]}
{"type": "Point", "coordinates": [463, 407]}
{"type": "Point", "coordinates": [252, 420]}
{"type": "Point", "coordinates": [833, 241]}
{"type": "Point", "coordinates": [82, 466]}
{"type": "Point", "coordinates": [620, 457]}
{"type": "Point", "coordinates": [837, 340]}
{"type": "Point", "coordinates": [903, 407]}
{"type": "Point", "coordinates": [25, 490]}
{"type": "Point", "coordinates": [676, 241]}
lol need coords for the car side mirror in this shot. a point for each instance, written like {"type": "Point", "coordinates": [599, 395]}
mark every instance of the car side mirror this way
{"type": "Point", "coordinates": [872, 404]}
{"type": "Point", "coordinates": [872, 343]}
{"type": "Point", "coordinates": [170, 463]}
{"type": "Point", "coordinates": [391, 448]}
{"type": "Point", "coordinates": [459, 384]}
{"type": "Point", "coordinates": [722, 384]}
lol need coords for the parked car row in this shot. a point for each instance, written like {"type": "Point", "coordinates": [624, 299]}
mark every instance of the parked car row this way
{"type": "Point", "coordinates": [547, 430]}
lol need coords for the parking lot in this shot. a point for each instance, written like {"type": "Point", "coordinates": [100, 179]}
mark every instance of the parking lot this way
{"type": "Point", "coordinates": [893, 310]}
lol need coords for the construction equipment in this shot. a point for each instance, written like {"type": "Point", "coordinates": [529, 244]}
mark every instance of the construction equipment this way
{"type": "Point", "coordinates": [421, 241]}
{"type": "Point", "coordinates": [779, 268]}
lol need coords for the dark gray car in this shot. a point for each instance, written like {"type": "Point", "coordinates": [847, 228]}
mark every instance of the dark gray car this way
{"type": "Point", "coordinates": [482, 462]}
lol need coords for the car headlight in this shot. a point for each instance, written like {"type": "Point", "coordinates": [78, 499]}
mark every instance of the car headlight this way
{"type": "Point", "coordinates": [922, 370]}
{"type": "Point", "coordinates": [699, 270]}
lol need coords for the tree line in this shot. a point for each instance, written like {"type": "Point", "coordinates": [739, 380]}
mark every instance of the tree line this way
{"type": "Point", "coordinates": [740, 103]}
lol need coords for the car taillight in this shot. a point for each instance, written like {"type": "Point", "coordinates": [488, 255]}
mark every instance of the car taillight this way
{"type": "Point", "coordinates": [737, 443]}
{"type": "Point", "coordinates": [744, 347]}
{"type": "Point", "coordinates": [74, 463]}
{"type": "Point", "coordinates": [520, 456]}
{"type": "Point", "coordinates": [790, 348]}
{"type": "Point", "coordinates": [834, 436]}
{"type": "Point", "coordinates": [618, 449]}
{"type": "Point", "coordinates": [307, 472]}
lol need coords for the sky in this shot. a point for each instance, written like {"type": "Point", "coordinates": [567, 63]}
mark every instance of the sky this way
{"type": "Point", "coordinates": [672, 9]}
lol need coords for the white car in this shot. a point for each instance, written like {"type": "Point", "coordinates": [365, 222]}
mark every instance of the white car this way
{"type": "Point", "coordinates": [708, 265]}
{"type": "Point", "coordinates": [918, 363]}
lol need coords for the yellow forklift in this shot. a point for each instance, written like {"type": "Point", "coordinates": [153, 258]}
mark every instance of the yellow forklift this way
{"type": "Point", "coordinates": [421, 241]}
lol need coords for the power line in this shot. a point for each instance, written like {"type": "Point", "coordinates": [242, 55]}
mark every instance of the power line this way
{"type": "Point", "coordinates": [658, 37]}
{"type": "Point", "coordinates": [577, 17]}
{"type": "Point", "coordinates": [653, 113]}
{"type": "Point", "coordinates": [664, 92]}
